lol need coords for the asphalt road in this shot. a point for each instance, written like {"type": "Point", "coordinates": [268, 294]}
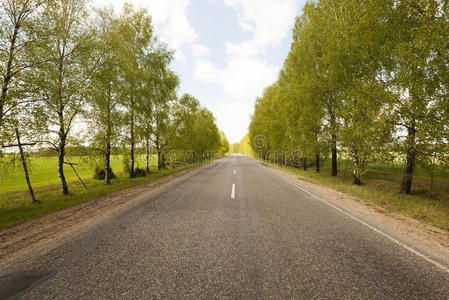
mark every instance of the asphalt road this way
{"type": "Point", "coordinates": [194, 240]}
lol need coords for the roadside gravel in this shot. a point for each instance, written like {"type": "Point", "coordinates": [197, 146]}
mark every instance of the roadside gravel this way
{"type": "Point", "coordinates": [23, 239]}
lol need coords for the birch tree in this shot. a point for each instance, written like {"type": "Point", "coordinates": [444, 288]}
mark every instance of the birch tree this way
{"type": "Point", "coordinates": [104, 116]}
{"type": "Point", "coordinates": [419, 63]}
{"type": "Point", "coordinates": [18, 36]}
{"type": "Point", "coordinates": [62, 82]}
{"type": "Point", "coordinates": [136, 39]}
{"type": "Point", "coordinates": [156, 108]}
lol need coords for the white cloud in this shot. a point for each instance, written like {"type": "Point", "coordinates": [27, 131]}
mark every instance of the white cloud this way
{"type": "Point", "coordinates": [243, 78]}
{"type": "Point", "coordinates": [246, 73]}
{"type": "Point", "coordinates": [200, 50]}
{"type": "Point", "coordinates": [244, 49]}
{"type": "Point", "coordinates": [270, 21]}
{"type": "Point", "coordinates": [170, 18]}
{"type": "Point", "coordinates": [207, 72]}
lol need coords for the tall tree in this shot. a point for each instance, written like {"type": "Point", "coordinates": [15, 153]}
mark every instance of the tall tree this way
{"type": "Point", "coordinates": [224, 141]}
{"type": "Point", "coordinates": [197, 134]}
{"type": "Point", "coordinates": [355, 33]}
{"type": "Point", "coordinates": [156, 108]}
{"type": "Point", "coordinates": [62, 82]}
{"type": "Point", "coordinates": [321, 69]}
{"type": "Point", "coordinates": [104, 116]}
{"type": "Point", "coordinates": [418, 65]}
{"type": "Point", "coordinates": [136, 39]}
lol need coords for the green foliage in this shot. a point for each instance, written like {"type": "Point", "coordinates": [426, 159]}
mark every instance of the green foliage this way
{"type": "Point", "coordinates": [86, 81]}
{"type": "Point", "coordinates": [100, 174]}
{"type": "Point", "coordinates": [125, 163]}
{"type": "Point", "coordinates": [197, 136]}
{"type": "Point", "coordinates": [224, 142]}
{"type": "Point", "coordinates": [235, 148]}
{"type": "Point", "coordinates": [43, 170]}
{"type": "Point", "coordinates": [365, 79]}
{"type": "Point", "coordinates": [140, 172]}
{"type": "Point", "coordinates": [19, 36]}
{"type": "Point", "coordinates": [244, 146]}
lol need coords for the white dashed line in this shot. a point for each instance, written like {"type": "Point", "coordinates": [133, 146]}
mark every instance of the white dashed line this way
{"type": "Point", "coordinates": [233, 191]}
{"type": "Point", "coordinates": [234, 171]}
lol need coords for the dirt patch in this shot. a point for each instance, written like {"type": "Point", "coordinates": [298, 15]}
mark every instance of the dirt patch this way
{"type": "Point", "coordinates": [23, 239]}
{"type": "Point", "coordinates": [428, 235]}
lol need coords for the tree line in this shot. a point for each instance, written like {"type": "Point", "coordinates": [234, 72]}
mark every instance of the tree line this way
{"type": "Point", "coordinates": [365, 80]}
{"type": "Point", "coordinates": [74, 75]}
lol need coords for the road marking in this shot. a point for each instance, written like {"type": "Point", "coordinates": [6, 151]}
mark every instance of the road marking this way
{"type": "Point", "coordinates": [234, 171]}
{"type": "Point", "coordinates": [416, 252]}
{"type": "Point", "coordinates": [233, 191]}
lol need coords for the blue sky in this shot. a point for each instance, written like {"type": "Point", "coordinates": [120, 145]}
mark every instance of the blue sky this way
{"type": "Point", "coordinates": [227, 51]}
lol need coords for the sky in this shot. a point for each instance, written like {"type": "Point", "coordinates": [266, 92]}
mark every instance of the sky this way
{"type": "Point", "coordinates": [226, 51]}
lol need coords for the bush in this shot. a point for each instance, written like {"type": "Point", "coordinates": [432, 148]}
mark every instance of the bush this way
{"type": "Point", "coordinates": [138, 172]}
{"type": "Point", "coordinates": [126, 163]}
{"type": "Point", "coordinates": [100, 173]}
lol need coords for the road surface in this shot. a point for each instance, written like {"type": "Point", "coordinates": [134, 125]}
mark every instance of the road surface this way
{"type": "Point", "coordinates": [234, 230]}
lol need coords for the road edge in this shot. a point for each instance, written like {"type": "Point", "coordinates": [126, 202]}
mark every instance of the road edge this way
{"type": "Point", "coordinates": [51, 230]}
{"type": "Point", "coordinates": [380, 225]}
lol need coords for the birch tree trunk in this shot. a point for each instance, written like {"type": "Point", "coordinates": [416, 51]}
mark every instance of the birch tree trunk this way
{"type": "Point", "coordinates": [107, 164]}
{"type": "Point", "coordinates": [147, 145]}
{"type": "Point", "coordinates": [333, 125]}
{"type": "Point", "coordinates": [159, 158]}
{"type": "Point", "coordinates": [356, 167]}
{"type": "Point", "coordinates": [25, 168]}
{"type": "Point", "coordinates": [131, 152]}
{"type": "Point", "coordinates": [61, 149]}
{"type": "Point", "coordinates": [334, 155]}
{"type": "Point", "coordinates": [409, 170]}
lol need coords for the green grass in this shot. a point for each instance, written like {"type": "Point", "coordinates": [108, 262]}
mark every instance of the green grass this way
{"type": "Point", "coordinates": [15, 202]}
{"type": "Point", "coordinates": [44, 171]}
{"type": "Point", "coordinates": [381, 185]}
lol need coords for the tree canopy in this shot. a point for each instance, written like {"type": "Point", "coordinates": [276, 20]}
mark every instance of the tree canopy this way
{"type": "Point", "coordinates": [72, 76]}
{"type": "Point", "coordinates": [365, 80]}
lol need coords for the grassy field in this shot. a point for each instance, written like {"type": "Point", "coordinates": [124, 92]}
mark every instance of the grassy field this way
{"type": "Point", "coordinates": [15, 202]}
{"type": "Point", "coordinates": [381, 186]}
{"type": "Point", "coordinates": [44, 171]}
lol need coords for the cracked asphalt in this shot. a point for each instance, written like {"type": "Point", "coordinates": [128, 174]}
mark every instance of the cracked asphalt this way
{"type": "Point", "coordinates": [192, 241]}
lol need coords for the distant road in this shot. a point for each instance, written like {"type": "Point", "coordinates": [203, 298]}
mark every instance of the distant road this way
{"type": "Point", "coordinates": [234, 230]}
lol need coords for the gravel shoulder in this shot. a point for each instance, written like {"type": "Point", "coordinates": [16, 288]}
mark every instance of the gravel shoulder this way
{"type": "Point", "coordinates": [42, 233]}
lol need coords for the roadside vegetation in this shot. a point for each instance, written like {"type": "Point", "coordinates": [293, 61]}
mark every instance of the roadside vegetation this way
{"type": "Point", "coordinates": [42, 171]}
{"type": "Point", "coordinates": [89, 92]}
{"type": "Point", "coordinates": [363, 93]}
{"type": "Point", "coordinates": [15, 206]}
